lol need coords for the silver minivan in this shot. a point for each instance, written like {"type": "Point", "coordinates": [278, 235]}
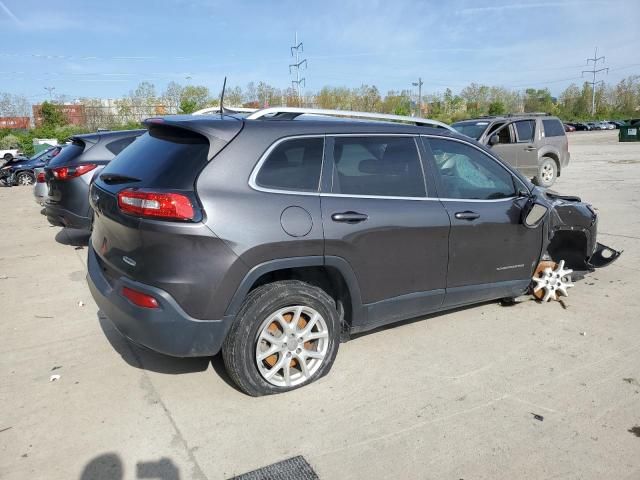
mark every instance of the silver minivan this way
{"type": "Point", "coordinates": [535, 144]}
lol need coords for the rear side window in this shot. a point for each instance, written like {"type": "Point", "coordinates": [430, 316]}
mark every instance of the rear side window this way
{"type": "Point", "coordinates": [117, 146]}
{"type": "Point", "coordinates": [293, 165]}
{"type": "Point", "coordinates": [525, 129]}
{"type": "Point", "coordinates": [68, 154]}
{"type": "Point", "coordinates": [553, 128]}
{"type": "Point", "coordinates": [164, 157]}
{"type": "Point", "coordinates": [379, 166]}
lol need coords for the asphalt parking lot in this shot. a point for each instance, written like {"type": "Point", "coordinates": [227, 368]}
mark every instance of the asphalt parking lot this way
{"type": "Point", "coordinates": [452, 396]}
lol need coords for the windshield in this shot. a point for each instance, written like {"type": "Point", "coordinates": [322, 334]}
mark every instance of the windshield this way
{"type": "Point", "coordinates": [471, 129]}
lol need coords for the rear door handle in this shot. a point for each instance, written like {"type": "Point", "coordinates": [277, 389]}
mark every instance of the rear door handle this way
{"type": "Point", "coordinates": [467, 215]}
{"type": "Point", "coordinates": [530, 148]}
{"type": "Point", "coordinates": [349, 217]}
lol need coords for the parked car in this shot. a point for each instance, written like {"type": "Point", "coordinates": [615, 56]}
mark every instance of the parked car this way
{"type": "Point", "coordinates": [608, 126]}
{"type": "Point", "coordinates": [534, 144]}
{"type": "Point", "coordinates": [270, 238]}
{"type": "Point", "coordinates": [617, 123]}
{"type": "Point", "coordinates": [594, 126]}
{"type": "Point", "coordinates": [20, 171]}
{"type": "Point", "coordinates": [568, 127]}
{"type": "Point", "coordinates": [9, 154]}
{"type": "Point", "coordinates": [68, 175]}
{"type": "Point", "coordinates": [581, 127]}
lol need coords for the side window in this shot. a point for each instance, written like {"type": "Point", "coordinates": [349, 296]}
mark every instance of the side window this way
{"type": "Point", "coordinates": [293, 165]}
{"type": "Point", "coordinates": [468, 173]}
{"type": "Point", "coordinates": [380, 166]}
{"type": "Point", "coordinates": [525, 129]}
{"type": "Point", "coordinates": [117, 146]}
{"type": "Point", "coordinates": [504, 134]}
{"type": "Point", "coordinates": [553, 128]}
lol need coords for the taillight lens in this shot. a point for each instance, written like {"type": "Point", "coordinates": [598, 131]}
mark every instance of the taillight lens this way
{"type": "Point", "coordinates": [167, 205]}
{"type": "Point", "coordinates": [140, 299]}
{"type": "Point", "coordinates": [66, 173]}
{"type": "Point", "coordinates": [40, 178]}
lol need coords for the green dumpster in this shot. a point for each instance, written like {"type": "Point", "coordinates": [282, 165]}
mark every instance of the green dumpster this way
{"type": "Point", "coordinates": [629, 134]}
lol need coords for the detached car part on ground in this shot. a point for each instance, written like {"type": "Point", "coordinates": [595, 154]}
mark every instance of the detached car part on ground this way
{"type": "Point", "coordinates": [68, 175]}
{"type": "Point", "coordinates": [274, 236]}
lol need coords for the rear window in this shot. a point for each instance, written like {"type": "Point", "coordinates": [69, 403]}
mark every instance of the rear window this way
{"type": "Point", "coordinates": [163, 158]}
{"type": "Point", "coordinates": [293, 165]}
{"type": "Point", "coordinates": [553, 128]}
{"type": "Point", "coordinates": [68, 154]}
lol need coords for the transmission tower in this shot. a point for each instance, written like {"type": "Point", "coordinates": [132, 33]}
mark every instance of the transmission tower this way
{"type": "Point", "coordinates": [295, 52]}
{"type": "Point", "coordinates": [594, 71]}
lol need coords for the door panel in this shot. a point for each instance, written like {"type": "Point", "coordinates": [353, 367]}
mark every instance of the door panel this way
{"type": "Point", "coordinates": [527, 133]}
{"type": "Point", "coordinates": [489, 248]}
{"type": "Point", "coordinates": [378, 218]}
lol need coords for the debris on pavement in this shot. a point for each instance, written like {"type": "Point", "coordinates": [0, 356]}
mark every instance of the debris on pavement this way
{"type": "Point", "coordinates": [631, 381]}
{"type": "Point", "coordinates": [584, 334]}
{"type": "Point", "coordinates": [56, 367]}
{"type": "Point", "coordinates": [81, 303]}
{"type": "Point", "coordinates": [54, 378]}
{"type": "Point", "coordinates": [540, 418]}
{"type": "Point", "coordinates": [5, 429]}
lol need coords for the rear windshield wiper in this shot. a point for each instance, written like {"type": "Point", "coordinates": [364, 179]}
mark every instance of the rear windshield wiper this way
{"type": "Point", "coordinates": [115, 178]}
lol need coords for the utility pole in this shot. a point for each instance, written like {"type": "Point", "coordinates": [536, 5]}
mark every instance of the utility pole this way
{"type": "Point", "coordinates": [594, 72]}
{"type": "Point", "coordinates": [50, 89]}
{"type": "Point", "coordinates": [298, 47]}
{"type": "Point", "coordinates": [419, 84]}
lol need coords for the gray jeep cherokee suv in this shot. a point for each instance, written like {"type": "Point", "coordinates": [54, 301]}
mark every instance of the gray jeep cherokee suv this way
{"type": "Point", "coordinates": [272, 238]}
{"type": "Point", "coordinates": [534, 144]}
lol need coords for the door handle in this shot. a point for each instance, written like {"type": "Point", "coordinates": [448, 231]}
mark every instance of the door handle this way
{"type": "Point", "coordinates": [467, 215]}
{"type": "Point", "coordinates": [349, 217]}
{"type": "Point", "coordinates": [530, 148]}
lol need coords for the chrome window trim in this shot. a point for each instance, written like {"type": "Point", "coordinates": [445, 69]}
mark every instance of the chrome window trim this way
{"type": "Point", "coordinates": [254, 173]}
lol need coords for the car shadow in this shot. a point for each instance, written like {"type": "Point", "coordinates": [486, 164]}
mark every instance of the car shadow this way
{"type": "Point", "coordinates": [73, 237]}
{"type": "Point", "coordinates": [109, 466]}
{"type": "Point", "coordinates": [145, 359]}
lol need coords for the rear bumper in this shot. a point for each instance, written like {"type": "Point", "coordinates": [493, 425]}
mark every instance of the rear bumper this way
{"type": "Point", "coordinates": [167, 329]}
{"type": "Point", "coordinates": [61, 217]}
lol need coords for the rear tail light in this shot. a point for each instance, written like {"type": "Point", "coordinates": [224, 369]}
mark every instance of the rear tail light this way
{"type": "Point", "coordinates": [66, 173]}
{"type": "Point", "coordinates": [40, 178]}
{"type": "Point", "coordinates": [166, 205]}
{"type": "Point", "coordinates": [140, 299]}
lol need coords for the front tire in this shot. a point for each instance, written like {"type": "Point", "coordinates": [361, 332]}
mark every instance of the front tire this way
{"type": "Point", "coordinates": [25, 179]}
{"type": "Point", "coordinates": [547, 172]}
{"type": "Point", "coordinates": [285, 336]}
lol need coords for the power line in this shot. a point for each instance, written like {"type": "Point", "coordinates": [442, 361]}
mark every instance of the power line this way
{"type": "Point", "coordinates": [594, 72]}
{"type": "Point", "coordinates": [298, 47]}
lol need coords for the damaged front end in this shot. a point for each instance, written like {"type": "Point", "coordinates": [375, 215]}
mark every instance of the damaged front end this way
{"type": "Point", "coordinates": [570, 247]}
{"type": "Point", "coordinates": [571, 234]}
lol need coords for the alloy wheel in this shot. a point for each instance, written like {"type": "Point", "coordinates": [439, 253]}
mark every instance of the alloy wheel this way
{"type": "Point", "coordinates": [291, 346]}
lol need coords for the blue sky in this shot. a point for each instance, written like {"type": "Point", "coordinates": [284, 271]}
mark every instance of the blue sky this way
{"type": "Point", "coordinates": [104, 49]}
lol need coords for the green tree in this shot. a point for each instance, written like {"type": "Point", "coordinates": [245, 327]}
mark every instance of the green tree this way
{"type": "Point", "coordinates": [9, 141]}
{"type": "Point", "coordinates": [52, 116]}
{"type": "Point", "coordinates": [497, 108]}
{"type": "Point", "coordinates": [193, 98]}
{"type": "Point", "coordinates": [538, 100]}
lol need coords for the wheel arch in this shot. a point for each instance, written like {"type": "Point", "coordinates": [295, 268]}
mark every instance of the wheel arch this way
{"type": "Point", "coordinates": [332, 274]}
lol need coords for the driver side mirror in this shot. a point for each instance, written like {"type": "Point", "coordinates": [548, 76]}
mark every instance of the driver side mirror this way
{"type": "Point", "coordinates": [533, 213]}
{"type": "Point", "coordinates": [494, 140]}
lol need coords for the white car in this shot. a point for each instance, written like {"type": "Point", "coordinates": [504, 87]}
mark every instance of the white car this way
{"type": "Point", "coordinates": [6, 155]}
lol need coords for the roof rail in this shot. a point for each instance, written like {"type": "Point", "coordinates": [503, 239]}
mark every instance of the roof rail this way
{"type": "Point", "coordinates": [209, 110]}
{"type": "Point", "coordinates": [293, 112]}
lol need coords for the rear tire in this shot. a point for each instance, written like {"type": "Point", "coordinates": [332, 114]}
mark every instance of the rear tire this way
{"type": "Point", "coordinates": [271, 323]}
{"type": "Point", "coordinates": [547, 172]}
{"type": "Point", "coordinates": [7, 157]}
